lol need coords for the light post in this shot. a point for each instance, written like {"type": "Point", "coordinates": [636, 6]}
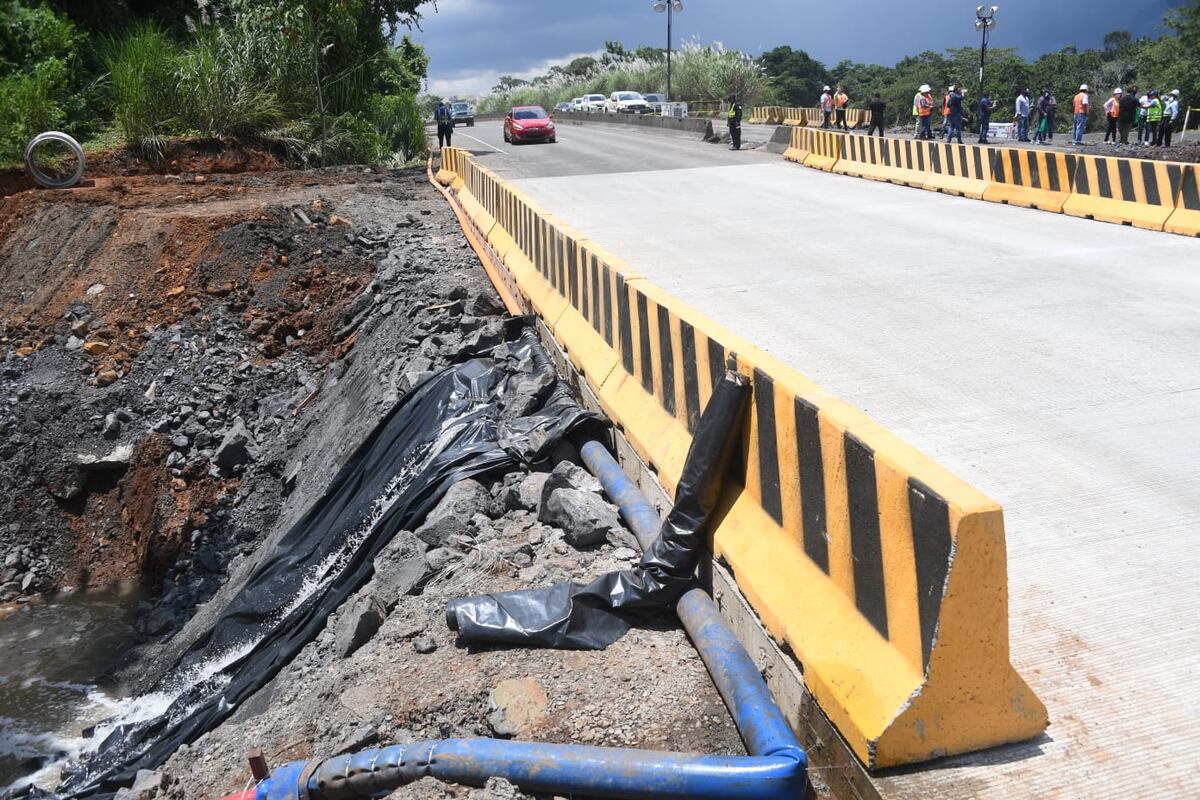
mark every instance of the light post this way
{"type": "Point", "coordinates": [671, 7]}
{"type": "Point", "coordinates": [985, 21]}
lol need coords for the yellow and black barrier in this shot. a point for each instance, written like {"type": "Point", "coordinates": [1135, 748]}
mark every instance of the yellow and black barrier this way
{"type": "Point", "coordinates": [1186, 219]}
{"type": "Point", "coordinates": [902, 161]}
{"type": "Point", "coordinates": [961, 169]}
{"type": "Point", "coordinates": [1127, 191]}
{"type": "Point", "coordinates": [882, 572]}
{"type": "Point", "coordinates": [1031, 178]}
{"type": "Point", "coordinates": [793, 116]}
{"type": "Point", "coordinates": [822, 148]}
{"type": "Point", "coordinates": [758, 115]}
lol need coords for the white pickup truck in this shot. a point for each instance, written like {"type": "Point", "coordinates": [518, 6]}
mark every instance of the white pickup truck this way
{"type": "Point", "coordinates": [626, 103]}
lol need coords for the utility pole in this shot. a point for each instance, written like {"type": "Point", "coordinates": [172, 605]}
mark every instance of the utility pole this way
{"type": "Point", "coordinates": [671, 7]}
{"type": "Point", "coordinates": [985, 21]}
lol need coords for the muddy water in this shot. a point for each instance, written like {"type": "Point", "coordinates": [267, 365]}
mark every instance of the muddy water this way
{"type": "Point", "coordinates": [51, 654]}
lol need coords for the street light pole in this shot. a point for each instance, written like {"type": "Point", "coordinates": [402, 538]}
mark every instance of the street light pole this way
{"type": "Point", "coordinates": [985, 21]}
{"type": "Point", "coordinates": [671, 7]}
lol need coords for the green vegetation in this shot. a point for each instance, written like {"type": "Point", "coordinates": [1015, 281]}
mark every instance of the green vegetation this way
{"type": "Point", "coordinates": [1168, 62]}
{"type": "Point", "coordinates": [321, 79]}
{"type": "Point", "coordinates": [698, 72]}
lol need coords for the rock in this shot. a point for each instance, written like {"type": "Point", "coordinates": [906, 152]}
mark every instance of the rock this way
{"type": "Point", "coordinates": [151, 391]}
{"type": "Point", "coordinates": [64, 484]}
{"type": "Point", "coordinates": [235, 448]}
{"type": "Point", "coordinates": [95, 289]}
{"type": "Point", "coordinates": [566, 475]}
{"type": "Point", "coordinates": [106, 377]}
{"type": "Point", "coordinates": [496, 789]}
{"type": "Point", "coordinates": [486, 305]}
{"type": "Point", "coordinates": [74, 343]}
{"type": "Point", "coordinates": [112, 427]}
{"type": "Point", "coordinates": [96, 347]}
{"type": "Point", "coordinates": [441, 530]}
{"type": "Point", "coordinates": [584, 518]}
{"type": "Point", "coordinates": [147, 785]}
{"type": "Point", "coordinates": [176, 459]}
{"type": "Point", "coordinates": [424, 644]}
{"type": "Point", "coordinates": [401, 569]}
{"type": "Point", "coordinates": [358, 739]}
{"type": "Point", "coordinates": [119, 458]}
{"type": "Point", "coordinates": [463, 500]}
{"type": "Point", "coordinates": [516, 705]}
{"type": "Point", "coordinates": [180, 442]}
{"type": "Point", "coordinates": [527, 494]}
{"type": "Point", "coordinates": [28, 582]}
{"type": "Point", "coordinates": [357, 623]}
{"type": "Point", "coordinates": [625, 554]}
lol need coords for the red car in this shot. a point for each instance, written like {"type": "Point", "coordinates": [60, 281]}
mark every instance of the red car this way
{"type": "Point", "coordinates": [529, 124]}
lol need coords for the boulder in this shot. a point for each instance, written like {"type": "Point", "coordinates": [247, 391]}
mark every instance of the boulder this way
{"type": "Point", "coordinates": [357, 623]}
{"type": "Point", "coordinates": [516, 705]}
{"type": "Point", "coordinates": [526, 495]}
{"type": "Point", "coordinates": [235, 448]}
{"type": "Point", "coordinates": [401, 569]}
{"type": "Point", "coordinates": [584, 517]}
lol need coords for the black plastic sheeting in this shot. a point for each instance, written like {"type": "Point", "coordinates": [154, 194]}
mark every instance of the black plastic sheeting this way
{"type": "Point", "coordinates": [452, 427]}
{"type": "Point", "coordinates": [572, 616]}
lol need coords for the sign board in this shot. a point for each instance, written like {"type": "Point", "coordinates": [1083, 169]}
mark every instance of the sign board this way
{"type": "Point", "coordinates": [1002, 130]}
{"type": "Point", "coordinates": [674, 110]}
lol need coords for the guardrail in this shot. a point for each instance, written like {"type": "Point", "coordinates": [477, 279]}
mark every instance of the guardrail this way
{"type": "Point", "coordinates": [1156, 195]}
{"type": "Point", "coordinates": [882, 572]}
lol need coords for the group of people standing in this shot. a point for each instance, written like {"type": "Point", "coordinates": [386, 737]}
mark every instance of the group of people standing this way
{"type": "Point", "coordinates": [833, 104]}
{"type": "Point", "coordinates": [1153, 114]}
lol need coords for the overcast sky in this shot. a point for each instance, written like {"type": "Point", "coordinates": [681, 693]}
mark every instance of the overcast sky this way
{"type": "Point", "coordinates": [473, 42]}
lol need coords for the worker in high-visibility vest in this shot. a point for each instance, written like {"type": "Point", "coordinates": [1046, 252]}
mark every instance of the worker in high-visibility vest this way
{"type": "Point", "coordinates": [1112, 112]}
{"type": "Point", "coordinates": [945, 134]}
{"type": "Point", "coordinates": [734, 118]}
{"type": "Point", "coordinates": [840, 101]}
{"type": "Point", "coordinates": [1153, 118]}
{"type": "Point", "coordinates": [826, 107]}
{"type": "Point", "coordinates": [917, 115]}
{"type": "Point", "coordinates": [1081, 112]}
{"type": "Point", "coordinates": [925, 112]}
{"type": "Point", "coordinates": [1170, 115]}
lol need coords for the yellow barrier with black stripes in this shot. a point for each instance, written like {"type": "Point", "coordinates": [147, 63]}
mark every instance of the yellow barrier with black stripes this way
{"type": "Point", "coordinates": [793, 116]}
{"type": "Point", "coordinates": [1127, 191]}
{"type": "Point", "coordinates": [902, 161]}
{"type": "Point", "coordinates": [794, 152]}
{"type": "Point", "coordinates": [758, 115]}
{"type": "Point", "coordinates": [1186, 218]}
{"type": "Point", "coordinates": [961, 169]}
{"type": "Point", "coordinates": [822, 148]}
{"type": "Point", "coordinates": [883, 573]}
{"type": "Point", "coordinates": [1031, 178]}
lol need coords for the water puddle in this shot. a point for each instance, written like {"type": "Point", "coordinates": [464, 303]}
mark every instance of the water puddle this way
{"type": "Point", "coordinates": [51, 653]}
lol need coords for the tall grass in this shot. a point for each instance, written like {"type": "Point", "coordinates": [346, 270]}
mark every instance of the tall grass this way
{"type": "Point", "coordinates": [29, 104]}
{"type": "Point", "coordinates": [221, 87]}
{"type": "Point", "coordinates": [143, 69]}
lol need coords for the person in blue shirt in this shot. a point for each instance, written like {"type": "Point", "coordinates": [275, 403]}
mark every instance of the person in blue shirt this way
{"type": "Point", "coordinates": [444, 118]}
{"type": "Point", "coordinates": [986, 106]}
{"type": "Point", "coordinates": [955, 103]}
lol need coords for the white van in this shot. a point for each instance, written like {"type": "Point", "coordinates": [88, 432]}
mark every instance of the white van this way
{"type": "Point", "coordinates": [577, 104]}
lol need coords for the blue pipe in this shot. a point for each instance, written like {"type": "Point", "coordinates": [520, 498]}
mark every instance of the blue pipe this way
{"type": "Point", "coordinates": [776, 768]}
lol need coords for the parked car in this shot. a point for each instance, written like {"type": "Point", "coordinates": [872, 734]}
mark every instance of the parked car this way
{"type": "Point", "coordinates": [462, 113]}
{"type": "Point", "coordinates": [529, 124]}
{"type": "Point", "coordinates": [593, 103]}
{"type": "Point", "coordinates": [560, 107]}
{"type": "Point", "coordinates": [577, 104]}
{"type": "Point", "coordinates": [626, 103]}
{"type": "Point", "coordinates": [655, 101]}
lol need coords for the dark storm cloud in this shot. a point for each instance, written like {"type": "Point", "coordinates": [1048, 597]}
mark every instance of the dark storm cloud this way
{"type": "Point", "coordinates": [471, 42]}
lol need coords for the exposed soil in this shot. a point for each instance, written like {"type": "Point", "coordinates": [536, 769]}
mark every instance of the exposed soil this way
{"type": "Point", "coordinates": [185, 362]}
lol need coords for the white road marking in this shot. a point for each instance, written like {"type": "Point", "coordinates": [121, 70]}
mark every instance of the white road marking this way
{"type": "Point", "coordinates": [485, 144]}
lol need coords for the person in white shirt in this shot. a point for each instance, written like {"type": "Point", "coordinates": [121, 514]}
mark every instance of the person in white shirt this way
{"type": "Point", "coordinates": [1144, 102]}
{"type": "Point", "coordinates": [1170, 114]}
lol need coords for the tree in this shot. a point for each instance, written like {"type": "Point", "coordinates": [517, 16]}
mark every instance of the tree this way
{"type": "Point", "coordinates": [795, 77]}
{"type": "Point", "coordinates": [582, 67]}
{"type": "Point", "coordinates": [1116, 41]}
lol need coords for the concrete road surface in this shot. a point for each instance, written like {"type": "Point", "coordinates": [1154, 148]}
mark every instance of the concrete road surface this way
{"type": "Point", "coordinates": [1051, 361]}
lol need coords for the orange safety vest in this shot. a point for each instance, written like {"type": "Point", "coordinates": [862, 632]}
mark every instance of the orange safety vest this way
{"type": "Point", "coordinates": [946, 105]}
{"type": "Point", "coordinates": [1081, 103]}
{"type": "Point", "coordinates": [925, 106]}
{"type": "Point", "coordinates": [826, 102]}
{"type": "Point", "coordinates": [1112, 107]}
{"type": "Point", "coordinates": [841, 99]}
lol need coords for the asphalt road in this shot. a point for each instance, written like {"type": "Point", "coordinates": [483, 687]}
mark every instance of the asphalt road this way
{"type": "Point", "coordinates": [1053, 362]}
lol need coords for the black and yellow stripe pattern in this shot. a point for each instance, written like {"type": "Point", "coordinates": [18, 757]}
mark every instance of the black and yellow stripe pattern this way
{"type": "Point", "coordinates": [1031, 178]}
{"type": "Point", "coordinates": [1127, 191]}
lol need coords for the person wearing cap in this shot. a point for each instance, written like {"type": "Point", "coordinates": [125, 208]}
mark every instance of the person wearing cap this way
{"type": "Point", "coordinates": [826, 107]}
{"type": "Point", "coordinates": [1128, 112]}
{"type": "Point", "coordinates": [840, 101]}
{"type": "Point", "coordinates": [917, 115]}
{"type": "Point", "coordinates": [734, 118]}
{"type": "Point", "coordinates": [925, 112]}
{"type": "Point", "coordinates": [1143, 109]}
{"type": "Point", "coordinates": [1154, 115]}
{"type": "Point", "coordinates": [444, 118]}
{"type": "Point", "coordinates": [986, 106]}
{"type": "Point", "coordinates": [1170, 115]}
{"type": "Point", "coordinates": [946, 113]}
{"type": "Point", "coordinates": [1112, 112]}
{"type": "Point", "coordinates": [1081, 112]}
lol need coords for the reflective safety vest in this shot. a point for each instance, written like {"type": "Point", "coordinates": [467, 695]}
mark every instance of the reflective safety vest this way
{"type": "Point", "coordinates": [925, 106]}
{"type": "Point", "coordinates": [841, 99]}
{"type": "Point", "coordinates": [916, 103]}
{"type": "Point", "coordinates": [1154, 112]}
{"type": "Point", "coordinates": [826, 102]}
{"type": "Point", "coordinates": [1081, 103]}
{"type": "Point", "coordinates": [1112, 108]}
{"type": "Point", "coordinates": [946, 105]}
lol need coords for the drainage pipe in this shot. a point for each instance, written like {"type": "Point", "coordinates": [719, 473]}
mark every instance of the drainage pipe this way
{"type": "Point", "coordinates": [774, 770]}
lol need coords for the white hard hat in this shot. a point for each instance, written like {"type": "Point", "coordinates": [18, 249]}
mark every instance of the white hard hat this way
{"type": "Point", "coordinates": [1117, 91]}
{"type": "Point", "coordinates": [825, 88]}
{"type": "Point", "coordinates": [1083, 87]}
{"type": "Point", "coordinates": [924, 88]}
{"type": "Point", "coordinates": [1175, 92]}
